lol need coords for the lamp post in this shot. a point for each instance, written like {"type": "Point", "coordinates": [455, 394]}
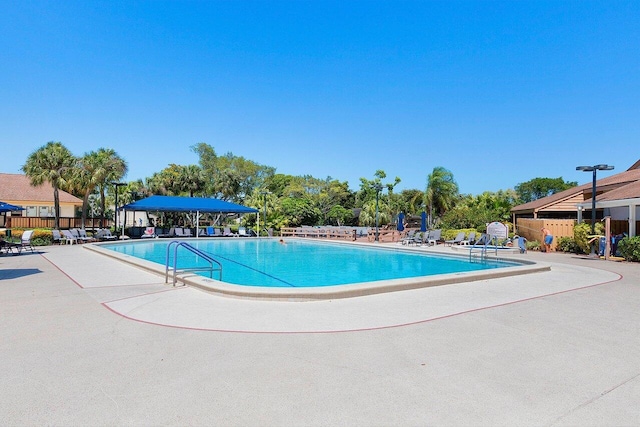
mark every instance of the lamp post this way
{"type": "Point", "coordinates": [378, 188]}
{"type": "Point", "coordinates": [594, 169]}
{"type": "Point", "coordinates": [116, 185]}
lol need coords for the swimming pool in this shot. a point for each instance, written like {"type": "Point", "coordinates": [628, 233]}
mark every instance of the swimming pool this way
{"type": "Point", "coordinates": [303, 264]}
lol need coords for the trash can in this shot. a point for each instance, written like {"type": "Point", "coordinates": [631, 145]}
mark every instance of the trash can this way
{"type": "Point", "coordinates": [8, 232]}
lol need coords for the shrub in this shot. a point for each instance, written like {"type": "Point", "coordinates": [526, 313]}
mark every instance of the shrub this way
{"type": "Point", "coordinates": [629, 248]}
{"type": "Point", "coordinates": [452, 233]}
{"type": "Point", "coordinates": [568, 244]}
{"type": "Point", "coordinates": [40, 236]}
{"type": "Point", "coordinates": [581, 233]}
{"type": "Point", "coordinates": [533, 245]}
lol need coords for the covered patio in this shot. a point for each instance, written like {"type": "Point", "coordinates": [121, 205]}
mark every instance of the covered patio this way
{"type": "Point", "coordinates": [193, 205]}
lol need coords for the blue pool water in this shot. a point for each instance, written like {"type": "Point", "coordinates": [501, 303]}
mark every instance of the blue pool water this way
{"type": "Point", "coordinates": [300, 263]}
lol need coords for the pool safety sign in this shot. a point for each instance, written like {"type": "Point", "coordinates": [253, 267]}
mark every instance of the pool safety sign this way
{"type": "Point", "coordinates": [498, 230]}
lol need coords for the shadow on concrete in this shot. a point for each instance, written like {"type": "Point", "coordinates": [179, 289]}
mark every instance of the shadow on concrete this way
{"type": "Point", "coordinates": [18, 272]}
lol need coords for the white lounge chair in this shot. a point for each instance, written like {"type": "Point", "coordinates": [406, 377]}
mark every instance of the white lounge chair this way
{"type": "Point", "coordinates": [105, 234]}
{"type": "Point", "coordinates": [76, 233]}
{"type": "Point", "coordinates": [149, 233]}
{"type": "Point", "coordinates": [26, 240]}
{"type": "Point", "coordinates": [69, 238]}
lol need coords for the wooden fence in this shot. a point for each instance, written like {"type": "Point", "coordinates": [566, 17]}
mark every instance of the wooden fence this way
{"type": "Point", "coordinates": [530, 228]}
{"type": "Point", "coordinates": [65, 222]}
{"type": "Point", "coordinates": [322, 233]}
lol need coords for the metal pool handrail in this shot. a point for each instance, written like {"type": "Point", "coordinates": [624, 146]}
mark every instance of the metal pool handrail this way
{"type": "Point", "coordinates": [194, 250]}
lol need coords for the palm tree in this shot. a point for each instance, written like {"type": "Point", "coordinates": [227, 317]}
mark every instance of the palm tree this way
{"type": "Point", "coordinates": [50, 163]}
{"type": "Point", "coordinates": [87, 176]}
{"type": "Point", "coordinates": [191, 179]}
{"type": "Point", "coordinates": [441, 192]}
{"type": "Point", "coordinates": [109, 167]}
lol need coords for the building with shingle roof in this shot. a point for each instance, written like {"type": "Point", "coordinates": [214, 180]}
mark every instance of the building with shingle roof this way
{"type": "Point", "coordinates": [37, 201]}
{"type": "Point", "coordinates": [617, 196]}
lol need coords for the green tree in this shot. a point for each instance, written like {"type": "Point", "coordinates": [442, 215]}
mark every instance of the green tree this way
{"type": "Point", "coordinates": [538, 188]}
{"type": "Point", "coordinates": [441, 193]}
{"type": "Point", "coordinates": [230, 177]}
{"type": "Point", "coordinates": [52, 163]}
{"type": "Point", "coordinates": [96, 170]}
{"type": "Point", "coordinates": [299, 211]}
{"type": "Point", "coordinates": [366, 198]}
{"type": "Point", "coordinates": [339, 215]}
{"type": "Point", "coordinates": [114, 169]}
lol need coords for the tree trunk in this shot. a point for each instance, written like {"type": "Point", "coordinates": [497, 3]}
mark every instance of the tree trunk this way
{"type": "Point", "coordinates": [56, 207]}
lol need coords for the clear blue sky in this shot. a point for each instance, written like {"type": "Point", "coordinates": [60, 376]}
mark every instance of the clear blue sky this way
{"type": "Point", "coordinates": [497, 92]}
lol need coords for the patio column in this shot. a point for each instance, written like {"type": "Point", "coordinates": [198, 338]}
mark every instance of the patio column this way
{"type": "Point", "coordinates": [632, 219]}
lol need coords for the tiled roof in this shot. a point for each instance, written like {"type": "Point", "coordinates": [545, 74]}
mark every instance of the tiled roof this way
{"type": "Point", "coordinates": [621, 180]}
{"type": "Point", "coordinates": [18, 188]}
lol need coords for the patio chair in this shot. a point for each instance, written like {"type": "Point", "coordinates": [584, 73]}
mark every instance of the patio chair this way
{"type": "Point", "coordinates": [419, 238]}
{"type": "Point", "coordinates": [470, 240]}
{"type": "Point", "coordinates": [69, 238]}
{"type": "Point", "coordinates": [434, 237]}
{"type": "Point", "coordinates": [10, 247]}
{"type": "Point", "coordinates": [459, 238]}
{"type": "Point", "coordinates": [149, 233]}
{"type": "Point", "coordinates": [84, 236]}
{"type": "Point", "coordinates": [57, 237]}
{"type": "Point", "coordinates": [484, 240]}
{"type": "Point", "coordinates": [76, 233]}
{"type": "Point", "coordinates": [409, 237]}
{"type": "Point", "coordinates": [227, 232]}
{"type": "Point", "coordinates": [186, 232]}
{"type": "Point", "coordinates": [26, 241]}
{"type": "Point", "coordinates": [423, 239]}
{"type": "Point", "coordinates": [242, 232]}
{"type": "Point", "coordinates": [105, 234]}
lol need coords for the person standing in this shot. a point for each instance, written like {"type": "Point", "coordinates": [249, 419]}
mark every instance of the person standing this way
{"type": "Point", "coordinates": [547, 238]}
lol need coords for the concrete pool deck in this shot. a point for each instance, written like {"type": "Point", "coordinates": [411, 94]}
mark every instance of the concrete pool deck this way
{"type": "Point", "coordinates": [88, 340]}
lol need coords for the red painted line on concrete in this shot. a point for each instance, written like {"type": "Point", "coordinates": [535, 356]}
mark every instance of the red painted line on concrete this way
{"type": "Point", "coordinates": [375, 328]}
{"type": "Point", "coordinates": [62, 271]}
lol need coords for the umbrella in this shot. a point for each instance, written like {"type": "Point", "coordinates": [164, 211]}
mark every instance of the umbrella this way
{"type": "Point", "coordinates": [7, 207]}
{"type": "Point", "coordinates": [400, 221]}
{"type": "Point", "coordinates": [423, 222]}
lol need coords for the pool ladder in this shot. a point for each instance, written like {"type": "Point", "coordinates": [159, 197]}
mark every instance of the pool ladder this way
{"type": "Point", "coordinates": [483, 249]}
{"type": "Point", "coordinates": [177, 244]}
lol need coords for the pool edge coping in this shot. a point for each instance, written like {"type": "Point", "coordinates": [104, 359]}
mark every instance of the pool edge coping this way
{"type": "Point", "coordinates": [329, 292]}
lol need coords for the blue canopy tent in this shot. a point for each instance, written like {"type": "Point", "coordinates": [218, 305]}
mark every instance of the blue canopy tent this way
{"type": "Point", "coordinates": [187, 204]}
{"type": "Point", "coordinates": [8, 207]}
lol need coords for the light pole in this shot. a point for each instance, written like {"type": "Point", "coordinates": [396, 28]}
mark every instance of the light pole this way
{"type": "Point", "coordinates": [378, 188]}
{"type": "Point", "coordinates": [116, 185]}
{"type": "Point", "coordinates": [594, 169]}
